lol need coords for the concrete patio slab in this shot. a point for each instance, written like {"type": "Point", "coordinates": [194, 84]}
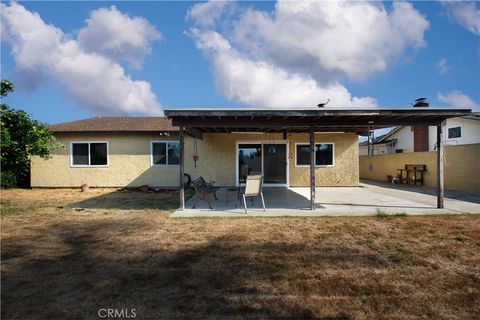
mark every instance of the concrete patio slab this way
{"type": "Point", "coordinates": [368, 199]}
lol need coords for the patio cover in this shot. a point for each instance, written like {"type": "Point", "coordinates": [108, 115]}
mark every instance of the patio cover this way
{"type": "Point", "coordinates": [300, 120]}
{"type": "Point", "coordinates": [360, 121]}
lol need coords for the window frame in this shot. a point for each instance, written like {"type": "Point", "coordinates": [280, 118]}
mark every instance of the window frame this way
{"type": "Point", "coordinates": [315, 155]}
{"type": "Point", "coordinates": [166, 150]}
{"type": "Point", "coordinates": [89, 155]}
{"type": "Point", "coordinates": [452, 127]}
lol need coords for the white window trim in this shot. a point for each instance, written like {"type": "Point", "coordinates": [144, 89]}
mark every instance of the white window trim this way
{"type": "Point", "coordinates": [314, 155]}
{"type": "Point", "coordinates": [89, 165]}
{"type": "Point", "coordinates": [451, 127]}
{"type": "Point", "coordinates": [166, 149]}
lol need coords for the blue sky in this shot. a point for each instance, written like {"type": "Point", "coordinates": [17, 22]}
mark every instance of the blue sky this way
{"type": "Point", "coordinates": [72, 60]}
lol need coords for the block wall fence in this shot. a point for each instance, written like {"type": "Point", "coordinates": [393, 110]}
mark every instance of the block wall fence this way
{"type": "Point", "coordinates": [462, 166]}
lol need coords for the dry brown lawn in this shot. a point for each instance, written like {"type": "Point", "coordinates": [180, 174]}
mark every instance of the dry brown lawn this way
{"type": "Point", "coordinates": [123, 251]}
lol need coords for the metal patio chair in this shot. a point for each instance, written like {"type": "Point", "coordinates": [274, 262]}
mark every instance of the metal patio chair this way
{"type": "Point", "coordinates": [253, 188]}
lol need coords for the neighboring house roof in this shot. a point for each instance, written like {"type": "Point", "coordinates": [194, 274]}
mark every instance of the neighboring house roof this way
{"type": "Point", "coordinates": [383, 138]}
{"type": "Point", "coordinates": [390, 141]}
{"type": "Point", "coordinates": [473, 116]}
{"type": "Point", "coordinates": [116, 124]}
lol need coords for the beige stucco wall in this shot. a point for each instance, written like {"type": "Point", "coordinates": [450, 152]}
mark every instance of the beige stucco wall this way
{"type": "Point", "coordinates": [218, 158]}
{"type": "Point", "coordinates": [344, 172]}
{"type": "Point", "coordinates": [129, 161]}
{"type": "Point", "coordinates": [462, 166]}
{"type": "Point", "coordinates": [129, 164]}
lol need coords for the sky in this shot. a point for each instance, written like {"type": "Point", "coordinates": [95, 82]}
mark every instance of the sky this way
{"type": "Point", "coordinates": [74, 60]}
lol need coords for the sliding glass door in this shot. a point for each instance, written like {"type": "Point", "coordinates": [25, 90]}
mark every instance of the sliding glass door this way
{"type": "Point", "coordinates": [249, 160]}
{"type": "Point", "coordinates": [275, 163]}
{"type": "Point", "coordinates": [269, 159]}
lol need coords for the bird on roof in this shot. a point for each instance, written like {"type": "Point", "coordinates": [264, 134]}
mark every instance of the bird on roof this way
{"type": "Point", "coordinates": [322, 105]}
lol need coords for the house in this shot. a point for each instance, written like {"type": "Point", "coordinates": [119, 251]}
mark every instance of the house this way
{"type": "Point", "coordinates": [301, 147]}
{"type": "Point", "coordinates": [134, 151]}
{"type": "Point", "coordinates": [111, 152]}
{"type": "Point", "coordinates": [458, 131]}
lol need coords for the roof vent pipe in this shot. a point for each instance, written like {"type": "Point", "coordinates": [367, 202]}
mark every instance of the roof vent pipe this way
{"type": "Point", "coordinates": [420, 103]}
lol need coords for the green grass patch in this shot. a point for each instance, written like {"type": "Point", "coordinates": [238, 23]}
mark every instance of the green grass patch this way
{"type": "Point", "coordinates": [12, 208]}
{"type": "Point", "coordinates": [383, 214]}
{"type": "Point", "coordinates": [377, 234]}
{"type": "Point", "coordinates": [403, 250]}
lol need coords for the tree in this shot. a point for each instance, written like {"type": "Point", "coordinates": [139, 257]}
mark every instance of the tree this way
{"type": "Point", "coordinates": [21, 138]}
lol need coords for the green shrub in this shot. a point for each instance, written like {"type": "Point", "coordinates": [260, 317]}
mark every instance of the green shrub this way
{"type": "Point", "coordinates": [21, 138]}
{"type": "Point", "coordinates": [8, 180]}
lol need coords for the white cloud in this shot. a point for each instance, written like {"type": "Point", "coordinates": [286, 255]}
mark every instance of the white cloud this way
{"type": "Point", "coordinates": [304, 49]}
{"type": "Point", "coordinates": [442, 66]}
{"type": "Point", "coordinates": [261, 84]}
{"type": "Point", "coordinates": [117, 35]}
{"type": "Point", "coordinates": [356, 39]}
{"type": "Point", "coordinates": [92, 79]}
{"type": "Point", "coordinates": [206, 14]}
{"type": "Point", "coordinates": [465, 13]}
{"type": "Point", "coordinates": [457, 98]}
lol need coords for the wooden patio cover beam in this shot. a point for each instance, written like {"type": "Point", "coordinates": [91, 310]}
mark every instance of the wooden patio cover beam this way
{"type": "Point", "coordinates": [328, 112]}
{"type": "Point", "coordinates": [440, 168]}
{"type": "Point", "coordinates": [346, 122]}
{"type": "Point", "coordinates": [312, 168]}
{"type": "Point", "coordinates": [182, 169]}
{"type": "Point", "coordinates": [349, 120]}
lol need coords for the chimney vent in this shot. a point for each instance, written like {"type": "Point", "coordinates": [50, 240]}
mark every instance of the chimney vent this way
{"type": "Point", "coordinates": [420, 103]}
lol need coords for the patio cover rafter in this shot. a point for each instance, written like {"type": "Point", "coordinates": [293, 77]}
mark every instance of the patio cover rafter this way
{"type": "Point", "coordinates": [328, 119]}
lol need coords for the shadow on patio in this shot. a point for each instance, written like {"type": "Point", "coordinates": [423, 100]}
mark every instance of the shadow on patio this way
{"type": "Point", "coordinates": [275, 198]}
{"type": "Point", "coordinates": [452, 194]}
{"type": "Point", "coordinates": [368, 199]}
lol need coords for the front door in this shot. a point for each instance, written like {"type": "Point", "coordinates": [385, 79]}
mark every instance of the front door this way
{"type": "Point", "coordinates": [269, 159]}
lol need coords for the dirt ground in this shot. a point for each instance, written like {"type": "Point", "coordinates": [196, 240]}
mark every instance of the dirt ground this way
{"type": "Point", "coordinates": [67, 254]}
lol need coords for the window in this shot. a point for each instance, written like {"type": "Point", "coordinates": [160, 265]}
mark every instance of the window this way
{"type": "Point", "coordinates": [323, 154]}
{"type": "Point", "coordinates": [89, 154]}
{"type": "Point", "coordinates": [398, 150]}
{"type": "Point", "coordinates": [303, 155]}
{"type": "Point", "coordinates": [455, 132]}
{"type": "Point", "coordinates": [165, 153]}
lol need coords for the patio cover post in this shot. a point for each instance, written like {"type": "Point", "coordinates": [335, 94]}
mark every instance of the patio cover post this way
{"type": "Point", "coordinates": [182, 161]}
{"type": "Point", "coordinates": [312, 168]}
{"type": "Point", "coordinates": [440, 163]}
